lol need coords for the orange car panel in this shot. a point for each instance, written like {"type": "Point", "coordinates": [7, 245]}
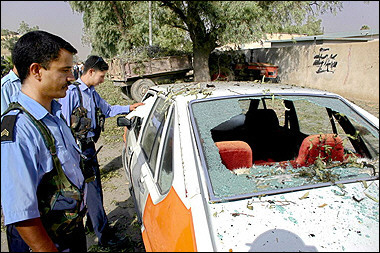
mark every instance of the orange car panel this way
{"type": "Point", "coordinates": [168, 225]}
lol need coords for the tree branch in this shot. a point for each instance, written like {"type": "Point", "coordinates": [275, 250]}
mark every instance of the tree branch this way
{"type": "Point", "coordinates": [180, 27]}
{"type": "Point", "coordinates": [121, 23]}
{"type": "Point", "coordinates": [175, 9]}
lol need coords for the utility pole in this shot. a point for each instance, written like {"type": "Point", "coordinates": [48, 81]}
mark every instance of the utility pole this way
{"type": "Point", "coordinates": [150, 23]}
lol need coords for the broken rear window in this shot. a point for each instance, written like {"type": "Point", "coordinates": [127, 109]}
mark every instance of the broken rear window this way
{"type": "Point", "coordinates": [252, 146]}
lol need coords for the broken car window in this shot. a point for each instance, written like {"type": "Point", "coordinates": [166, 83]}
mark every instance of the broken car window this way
{"type": "Point", "coordinates": [293, 142]}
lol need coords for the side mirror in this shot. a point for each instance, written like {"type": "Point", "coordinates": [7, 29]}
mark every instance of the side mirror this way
{"type": "Point", "coordinates": [123, 121]}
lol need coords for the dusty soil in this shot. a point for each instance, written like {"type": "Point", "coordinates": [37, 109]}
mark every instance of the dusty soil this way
{"type": "Point", "coordinates": [118, 203]}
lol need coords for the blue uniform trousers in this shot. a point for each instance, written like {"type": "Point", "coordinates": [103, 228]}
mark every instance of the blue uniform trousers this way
{"type": "Point", "coordinates": [95, 210]}
{"type": "Point", "coordinates": [15, 242]}
{"type": "Point", "coordinates": [74, 242]}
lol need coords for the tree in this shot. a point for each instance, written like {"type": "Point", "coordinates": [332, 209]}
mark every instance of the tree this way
{"type": "Point", "coordinates": [364, 27]}
{"type": "Point", "coordinates": [8, 42]}
{"type": "Point", "coordinates": [6, 32]}
{"type": "Point", "coordinates": [6, 65]}
{"type": "Point", "coordinates": [25, 28]}
{"type": "Point", "coordinates": [11, 37]}
{"type": "Point", "coordinates": [115, 26]}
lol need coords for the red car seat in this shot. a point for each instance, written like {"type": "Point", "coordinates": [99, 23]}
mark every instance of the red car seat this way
{"type": "Point", "coordinates": [328, 146]}
{"type": "Point", "coordinates": [235, 154]}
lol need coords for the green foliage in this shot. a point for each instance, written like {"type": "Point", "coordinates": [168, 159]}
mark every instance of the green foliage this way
{"type": "Point", "coordinates": [113, 27]}
{"type": "Point", "coordinates": [9, 42]}
{"type": "Point", "coordinates": [6, 65]}
{"type": "Point", "coordinates": [25, 28]}
{"type": "Point", "coordinates": [112, 133]}
{"type": "Point", "coordinates": [10, 37]}
{"type": "Point", "coordinates": [6, 32]}
{"type": "Point", "coordinates": [364, 27]}
{"type": "Point", "coordinates": [250, 21]}
{"type": "Point", "coordinates": [140, 54]}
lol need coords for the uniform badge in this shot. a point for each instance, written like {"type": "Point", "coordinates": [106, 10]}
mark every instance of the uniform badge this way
{"type": "Point", "coordinates": [5, 132]}
{"type": "Point", "coordinates": [7, 125]}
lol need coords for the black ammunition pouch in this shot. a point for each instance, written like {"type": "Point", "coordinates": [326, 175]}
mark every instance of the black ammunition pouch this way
{"type": "Point", "coordinates": [87, 170]}
{"type": "Point", "coordinates": [88, 160]}
{"type": "Point", "coordinates": [80, 124]}
{"type": "Point", "coordinates": [100, 120]}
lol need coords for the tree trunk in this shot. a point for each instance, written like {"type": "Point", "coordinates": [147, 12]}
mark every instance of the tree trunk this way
{"type": "Point", "coordinates": [200, 64]}
{"type": "Point", "coordinates": [121, 23]}
{"type": "Point", "coordinates": [203, 42]}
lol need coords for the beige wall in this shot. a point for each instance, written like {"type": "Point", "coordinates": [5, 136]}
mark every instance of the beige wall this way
{"type": "Point", "coordinates": [356, 75]}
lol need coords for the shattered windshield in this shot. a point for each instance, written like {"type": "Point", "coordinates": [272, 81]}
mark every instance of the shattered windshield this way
{"type": "Point", "coordinates": [262, 145]}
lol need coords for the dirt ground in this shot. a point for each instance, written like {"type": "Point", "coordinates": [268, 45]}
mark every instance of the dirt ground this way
{"type": "Point", "coordinates": [118, 203]}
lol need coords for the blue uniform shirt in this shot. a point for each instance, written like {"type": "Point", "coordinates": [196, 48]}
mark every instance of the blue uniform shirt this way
{"type": "Point", "coordinates": [10, 86]}
{"type": "Point", "coordinates": [71, 101]}
{"type": "Point", "coordinates": [25, 159]}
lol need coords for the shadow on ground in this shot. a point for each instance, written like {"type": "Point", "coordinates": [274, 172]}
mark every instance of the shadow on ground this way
{"type": "Point", "coordinates": [123, 220]}
{"type": "Point", "coordinates": [123, 217]}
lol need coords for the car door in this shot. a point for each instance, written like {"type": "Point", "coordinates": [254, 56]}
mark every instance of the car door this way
{"type": "Point", "coordinates": [144, 154]}
{"type": "Point", "coordinates": [131, 140]}
{"type": "Point", "coordinates": [132, 154]}
{"type": "Point", "coordinates": [137, 118]}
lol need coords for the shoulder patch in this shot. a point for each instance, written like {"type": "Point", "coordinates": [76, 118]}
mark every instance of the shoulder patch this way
{"type": "Point", "coordinates": [7, 125]}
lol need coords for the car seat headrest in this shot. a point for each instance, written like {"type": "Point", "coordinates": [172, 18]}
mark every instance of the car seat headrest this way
{"type": "Point", "coordinates": [262, 119]}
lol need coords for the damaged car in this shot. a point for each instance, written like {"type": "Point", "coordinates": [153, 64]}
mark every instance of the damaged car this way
{"type": "Point", "coordinates": [216, 166]}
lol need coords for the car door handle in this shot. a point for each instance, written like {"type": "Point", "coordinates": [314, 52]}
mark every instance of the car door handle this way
{"type": "Point", "coordinates": [130, 151]}
{"type": "Point", "coordinates": [142, 178]}
{"type": "Point", "coordinates": [141, 184]}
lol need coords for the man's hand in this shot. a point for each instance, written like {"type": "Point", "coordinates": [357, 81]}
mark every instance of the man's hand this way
{"type": "Point", "coordinates": [133, 107]}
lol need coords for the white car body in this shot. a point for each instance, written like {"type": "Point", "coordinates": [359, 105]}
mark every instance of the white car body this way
{"type": "Point", "coordinates": [193, 215]}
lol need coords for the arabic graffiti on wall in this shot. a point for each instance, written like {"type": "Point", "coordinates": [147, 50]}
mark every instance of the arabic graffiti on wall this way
{"type": "Point", "coordinates": [324, 61]}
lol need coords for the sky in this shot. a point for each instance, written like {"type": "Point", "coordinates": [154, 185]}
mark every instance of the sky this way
{"type": "Point", "coordinates": [55, 17]}
{"type": "Point", "coordinates": [58, 18]}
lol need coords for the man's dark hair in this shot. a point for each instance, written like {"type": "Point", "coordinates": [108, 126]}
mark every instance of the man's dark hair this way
{"type": "Point", "coordinates": [37, 47]}
{"type": "Point", "coordinates": [95, 62]}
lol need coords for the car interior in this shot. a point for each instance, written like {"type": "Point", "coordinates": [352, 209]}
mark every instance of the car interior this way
{"type": "Point", "coordinates": [257, 138]}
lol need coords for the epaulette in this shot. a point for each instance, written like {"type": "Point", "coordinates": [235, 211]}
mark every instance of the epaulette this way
{"type": "Point", "coordinates": [7, 126]}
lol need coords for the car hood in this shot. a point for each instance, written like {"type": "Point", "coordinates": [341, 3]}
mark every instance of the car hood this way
{"type": "Point", "coordinates": [333, 218]}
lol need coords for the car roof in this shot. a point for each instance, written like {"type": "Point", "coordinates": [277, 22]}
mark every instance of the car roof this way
{"type": "Point", "coordinates": [217, 89]}
{"type": "Point", "coordinates": [191, 91]}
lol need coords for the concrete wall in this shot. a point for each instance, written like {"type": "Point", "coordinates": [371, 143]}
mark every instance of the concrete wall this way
{"type": "Point", "coordinates": [355, 75]}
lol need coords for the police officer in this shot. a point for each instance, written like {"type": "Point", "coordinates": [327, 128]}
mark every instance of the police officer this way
{"type": "Point", "coordinates": [42, 186]}
{"type": "Point", "coordinates": [85, 112]}
{"type": "Point", "coordinates": [10, 86]}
